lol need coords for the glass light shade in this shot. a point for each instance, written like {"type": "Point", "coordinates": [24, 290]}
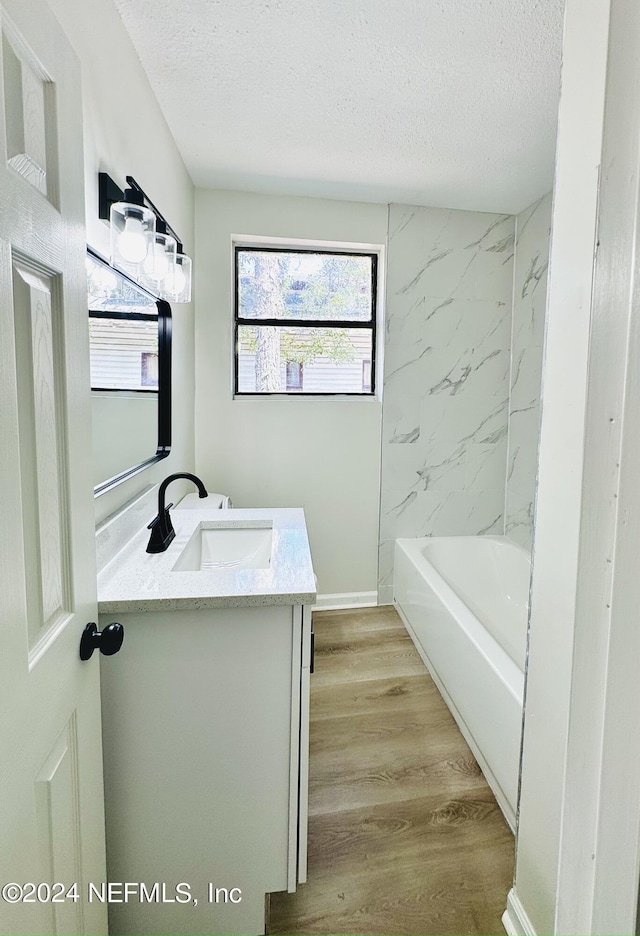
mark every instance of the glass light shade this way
{"type": "Point", "coordinates": [158, 267]}
{"type": "Point", "coordinates": [179, 287]}
{"type": "Point", "coordinates": [132, 232]}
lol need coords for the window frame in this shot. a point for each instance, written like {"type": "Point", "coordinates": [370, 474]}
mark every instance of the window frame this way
{"type": "Point", "coordinates": [257, 246]}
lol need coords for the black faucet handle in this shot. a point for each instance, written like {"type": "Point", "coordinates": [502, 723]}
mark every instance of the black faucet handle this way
{"type": "Point", "coordinates": [158, 518]}
{"type": "Point", "coordinates": [162, 532]}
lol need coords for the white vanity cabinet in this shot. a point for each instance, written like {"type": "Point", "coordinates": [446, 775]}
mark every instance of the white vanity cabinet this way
{"type": "Point", "coordinates": [205, 737]}
{"type": "Point", "coordinates": [205, 734]}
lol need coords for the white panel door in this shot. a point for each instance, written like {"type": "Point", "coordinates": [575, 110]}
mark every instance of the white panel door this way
{"type": "Point", "coordinates": [51, 800]}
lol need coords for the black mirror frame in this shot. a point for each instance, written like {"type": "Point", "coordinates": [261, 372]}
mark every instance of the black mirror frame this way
{"type": "Point", "coordinates": [163, 447]}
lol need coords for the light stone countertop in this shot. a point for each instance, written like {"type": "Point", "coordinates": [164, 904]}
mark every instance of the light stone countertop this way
{"type": "Point", "coordinates": [135, 580]}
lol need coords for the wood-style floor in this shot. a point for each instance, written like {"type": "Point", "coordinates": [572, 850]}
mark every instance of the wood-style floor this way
{"type": "Point", "coordinates": [404, 833]}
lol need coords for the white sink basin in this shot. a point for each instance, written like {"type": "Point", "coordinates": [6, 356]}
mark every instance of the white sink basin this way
{"type": "Point", "coordinates": [216, 546]}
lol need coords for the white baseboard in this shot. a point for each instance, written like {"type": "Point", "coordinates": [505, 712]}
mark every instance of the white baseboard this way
{"type": "Point", "coordinates": [345, 600]}
{"type": "Point", "coordinates": [515, 919]}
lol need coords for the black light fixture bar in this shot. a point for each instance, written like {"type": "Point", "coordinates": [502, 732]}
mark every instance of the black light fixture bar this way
{"type": "Point", "coordinates": [109, 192]}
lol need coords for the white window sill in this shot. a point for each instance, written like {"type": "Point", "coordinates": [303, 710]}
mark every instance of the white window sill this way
{"type": "Point", "coordinates": [308, 398]}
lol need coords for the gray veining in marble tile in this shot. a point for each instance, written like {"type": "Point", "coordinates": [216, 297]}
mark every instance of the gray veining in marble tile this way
{"type": "Point", "coordinates": [447, 369]}
{"type": "Point", "coordinates": [530, 293]}
{"type": "Point", "coordinates": [462, 374]}
{"type": "Point", "coordinates": [402, 438]}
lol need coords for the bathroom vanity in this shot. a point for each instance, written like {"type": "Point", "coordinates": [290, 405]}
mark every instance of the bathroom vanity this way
{"type": "Point", "coordinates": [206, 719]}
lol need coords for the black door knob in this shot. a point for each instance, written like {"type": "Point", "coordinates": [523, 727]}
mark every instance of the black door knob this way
{"type": "Point", "coordinates": [107, 641]}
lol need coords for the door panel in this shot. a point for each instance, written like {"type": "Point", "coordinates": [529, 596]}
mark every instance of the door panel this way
{"type": "Point", "coordinates": [51, 799]}
{"type": "Point", "coordinates": [29, 109]}
{"type": "Point", "coordinates": [40, 419]}
{"type": "Point", "coordinates": [59, 831]}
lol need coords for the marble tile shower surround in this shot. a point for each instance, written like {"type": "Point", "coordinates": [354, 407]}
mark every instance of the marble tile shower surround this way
{"type": "Point", "coordinates": [533, 226]}
{"type": "Point", "coordinates": [447, 376]}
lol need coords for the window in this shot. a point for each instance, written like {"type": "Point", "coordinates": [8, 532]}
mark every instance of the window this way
{"type": "Point", "coordinates": [294, 375]}
{"type": "Point", "coordinates": [304, 321]}
{"type": "Point", "coordinates": [366, 375]}
{"type": "Point", "coordinates": [149, 368]}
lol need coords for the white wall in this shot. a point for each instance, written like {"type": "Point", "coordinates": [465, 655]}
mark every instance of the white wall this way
{"type": "Point", "coordinates": [126, 134]}
{"type": "Point", "coordinates": [323, 455]}
{"type": "Point", "coordinates": [559, 509]}
{"type": "Point", "coordinates": [529, 303]}
{"type": "Point", "coordinates": [446, 385]}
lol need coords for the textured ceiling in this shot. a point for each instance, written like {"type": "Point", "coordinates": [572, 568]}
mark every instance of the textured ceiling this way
{"type": "Point", "coordinates": [431, 102]}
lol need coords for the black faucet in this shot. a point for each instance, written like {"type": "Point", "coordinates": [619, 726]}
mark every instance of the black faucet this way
{"type": "Point", "coordinates": [161, 527]}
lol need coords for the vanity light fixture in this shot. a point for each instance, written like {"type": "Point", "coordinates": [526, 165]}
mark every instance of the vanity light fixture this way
{"type": "Point", "coordinates": [143, 243]}
{"type": "Point", "coordinates": [181, 284]}
{"type": "Point", "coordinates": [133, 229]}
{"type": "Point", "coordinates": [159, 264]}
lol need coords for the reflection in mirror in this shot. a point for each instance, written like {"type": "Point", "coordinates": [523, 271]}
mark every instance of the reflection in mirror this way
{"type": "Point", "coordinates": [129, 341]}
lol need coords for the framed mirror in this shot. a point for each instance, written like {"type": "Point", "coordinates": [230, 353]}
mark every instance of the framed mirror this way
{"type": "Point", "coordinates": [130, 355]}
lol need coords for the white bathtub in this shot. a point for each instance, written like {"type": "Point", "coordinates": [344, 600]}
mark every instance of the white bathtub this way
{"type": "Point", "coordinates": [464, 602]}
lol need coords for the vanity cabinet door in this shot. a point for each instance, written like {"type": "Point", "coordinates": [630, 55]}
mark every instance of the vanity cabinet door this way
{"type": "Point", "coordinates": [199, 759]}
